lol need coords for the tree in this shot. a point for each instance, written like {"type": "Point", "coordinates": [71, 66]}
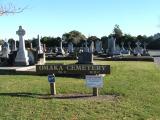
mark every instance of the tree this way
{"type": "Point", "coordinates": [127, 38]}
{"type": "Point", "coordinates": [142, 38]}
{"type": "Point", "coordinates": [50, 41]}
{"type": "Point", "coordinates": [154, 45]}
{"type": "Point", "coordinates": [93, 38]}
{"type": "Point", "coordinates": [104, 40]}
{"type": "Point", "coordinates": [73, 36]}
{"type": "Point", "coordinates": [10, 9]}
{"type": "Point", "coordinates": [117, 32]}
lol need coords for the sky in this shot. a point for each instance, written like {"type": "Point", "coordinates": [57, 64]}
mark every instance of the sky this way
{"type": "Point", "coordinates": [90, 17]}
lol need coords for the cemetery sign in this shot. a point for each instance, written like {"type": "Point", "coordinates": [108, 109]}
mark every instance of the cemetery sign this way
{"type": "Point", "coordinates": [73, 69]}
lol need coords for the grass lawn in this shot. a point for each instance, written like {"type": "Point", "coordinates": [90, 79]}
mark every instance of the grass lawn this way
{"type": "Point", "coordinates": [136, 86]}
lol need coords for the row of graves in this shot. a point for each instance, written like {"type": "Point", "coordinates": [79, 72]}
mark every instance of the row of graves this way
{"type": "Point", "coordinates": [110, 51]}
{"type": "Point", "coordinates": [10, 55]}
{"type": "Point", "coordinates": [114, 49]}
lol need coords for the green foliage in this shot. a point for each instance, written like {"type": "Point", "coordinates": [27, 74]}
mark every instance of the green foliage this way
{"type": "Point", "coordinates": [135, 86]}
{"type": "Point", "coordinates": [104, 40]}
{"type": "Point", "coordinates": [50, 41]}
{"type": "Point", "coordinates": [117, 32]}
{"type": "Point", "coordinates": [155, 45]}
{"type": "Point", "coordinates": [73, 36]}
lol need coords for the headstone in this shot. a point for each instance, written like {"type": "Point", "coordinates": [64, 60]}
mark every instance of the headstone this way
{"type": "Point", "coordinates": [40, 51]}
{"type": "Point", "coordinates": [22, 54]}
{"type": "Point", "coordinates": [85, 58]}
{"type": "Point", "coordinates": [60, 49]}
{"type": "Point", "coordinates": [98, 46]}
{"type": "Point", "coordinates": [145, 52]}
{"type": "Point", "coordinates": [138, 50]}
{"type": "Point", "coordinates": [31, 57]}
{"type": "Point", "coordinates": [111, 46]}
{"type": "Point", "coordinates": [13, 46]}
{"type": "Point", "coordinates": [0, 47]}
{"type": "Point", "coordinates": [31, 46]}
{"type": "Point", "coordinates": [91, 50]}
{"type": "Point", "coordinates": [86, 49]}
{"type": "Point", "coordinates": [5, 50]}
{"type": "Point", "coordinates": [122, 44]}
{"type": "Point", "coordinates": [123, 50]}
{"type": "Point", "coordinates": [70, 47]}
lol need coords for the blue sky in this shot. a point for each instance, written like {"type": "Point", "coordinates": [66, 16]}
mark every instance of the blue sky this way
{"type": "Point", "coordinates": [90, 17]}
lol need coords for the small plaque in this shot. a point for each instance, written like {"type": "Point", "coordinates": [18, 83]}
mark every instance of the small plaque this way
{"type": "Point", "coordinates": [94, 81]}
{"type": "Point", "coordinates": [51, 78]}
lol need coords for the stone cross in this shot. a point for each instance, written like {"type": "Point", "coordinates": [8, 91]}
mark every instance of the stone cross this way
{"type": "Point", "coordinates": [22, 58]}
{"type": "Point", "coordinates": [21, 32]}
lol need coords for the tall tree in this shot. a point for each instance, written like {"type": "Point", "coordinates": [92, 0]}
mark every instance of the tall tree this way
{"type": "Point", "coordinates": [73, 36]}
{"type": "Point", "coordinates": [117, 32]}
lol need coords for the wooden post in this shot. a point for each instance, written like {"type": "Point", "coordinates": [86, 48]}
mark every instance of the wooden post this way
{"type": "Point", "coordinates": [53, 88]}
{"type": "Point", "coordinates": [95, 91]}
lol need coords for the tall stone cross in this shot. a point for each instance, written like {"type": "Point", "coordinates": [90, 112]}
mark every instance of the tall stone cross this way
{"type": "Point", "coordinates": [21, 32]}
{"type": "Point", "coordinates": [22, 54]}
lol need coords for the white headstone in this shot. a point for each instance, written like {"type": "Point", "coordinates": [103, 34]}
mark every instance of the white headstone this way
{"type": "Point", "coordinates": [40, 51]}
{"type": "Point", "coordinates": [22, 54]}
{"type": "Point", "coordinates": [60, 50]}
{"type": "Point", "coordinates": [91, 47]}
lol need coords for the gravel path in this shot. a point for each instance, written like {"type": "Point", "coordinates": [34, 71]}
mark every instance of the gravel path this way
{"type": "Point", "coordinates": [157, 60]}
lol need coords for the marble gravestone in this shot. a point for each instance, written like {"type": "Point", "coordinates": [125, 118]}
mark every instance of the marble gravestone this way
{"type": "Point", "coordinates": [22, 58]}
{"type": "Point", "coordinates": [60, 49]}
{"type": "Point", "coordinates": [91, 49]}
{"type": "Point", "coordinates": [111, 46]}
{"type": "Point", "coordinates": [40, 51]}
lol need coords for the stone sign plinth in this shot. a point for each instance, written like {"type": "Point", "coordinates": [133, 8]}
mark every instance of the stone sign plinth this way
{"type": "Point", "coordinates": [22, 54]}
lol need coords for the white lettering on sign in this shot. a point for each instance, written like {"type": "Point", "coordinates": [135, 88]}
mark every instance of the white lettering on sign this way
{"type": "Point", "coordinates": [94, 81]}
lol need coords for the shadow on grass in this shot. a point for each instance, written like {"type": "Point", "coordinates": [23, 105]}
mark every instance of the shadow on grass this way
{"type": "Point", "coordinates": [45, 96]}
{"type": "Point", "coordinates": [22, 94]}
{"type": "Point", "coordinates": [58, 96]}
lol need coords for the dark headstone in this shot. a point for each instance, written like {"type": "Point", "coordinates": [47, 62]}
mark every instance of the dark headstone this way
{"type": "Point", "coordinates": [85, 58]}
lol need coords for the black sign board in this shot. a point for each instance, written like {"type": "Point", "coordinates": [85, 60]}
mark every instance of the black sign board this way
{"type": "Point", "coordinates": [73, 69]}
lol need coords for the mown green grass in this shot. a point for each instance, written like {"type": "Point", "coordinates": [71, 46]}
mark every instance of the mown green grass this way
{"type": "Point", "coordinates": [136, 85]}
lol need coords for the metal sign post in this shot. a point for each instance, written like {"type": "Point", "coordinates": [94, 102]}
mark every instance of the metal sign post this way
{"type": "Point", "coordinates": [51, 80]}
